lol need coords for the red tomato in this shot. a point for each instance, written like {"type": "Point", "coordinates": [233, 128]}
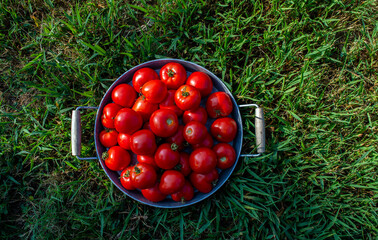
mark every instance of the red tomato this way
{"type": "Point", "coordinates": [108, 138]}
{"type": "Point", "coordinates": [187, 98]}
{"type": "Point", "coordinates": [195, 132]}
{"type": "Point", "coordinates": [204, 182]}
{"type": "Point", "coordinates": [142, 76]}
{"type": "Point", "coordinates": [225, 154]}
{"type": "Point", "coordinates": [144, 108]}
{"type": "Point", "coordinates": [203, 160]}
{"type": "Point", "coordinates": [166, 156]}
{"type": "Point", "coordinates": [207, 142]}
{"type": "Point", "coordinates": [143, 142]}
{"type": "Point", "coordinates": [153, 194]}
{"type": "Point", "coordinates": [116, 158]}
{"type": "Point", "coordinates": [185, 194]}
{"type": "Point", "coordinates": [202, 82]}
{"type": "Point", "coordinates": [124, 140]}
{"type": "Point", "coordinates": [124, 95]}
{"type": "Point", "coordinates": [126, 179]}
{"type": "Point", "coordinates": [147, 126]}
{"type": "Point", "coordinates": [171, 181]}
{"type": "Point", "coordinates": [199, 115]}
{"type": "Point", "coordinates": [173, 75]}
{"type": "Point", "coordinates": [183, 166]}
{"type": "Point", "coordinates": [128, 121]}
{"type": "Point", "coordinates": [178, 138]}
{"type": "Point", "coordinates": [224, 129]}
{"type": "Point", "coordinates": [169, 103]}
{"type": "Point", "coordinates": [109, 113]}
{"type": "Point", "coordinates": [147, 159]}
{"type": "Point", "coordinates": [143, 176]}
{"type": "Point", "coordinates": [164, 123]}
{"type": "Point", "coordinates": [219, 104]}
{"type": "Point", "coordinates": [155, 91]}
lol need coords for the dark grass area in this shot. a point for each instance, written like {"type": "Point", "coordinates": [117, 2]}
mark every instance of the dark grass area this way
{"type": "Point", "coordinates": [312, 65]}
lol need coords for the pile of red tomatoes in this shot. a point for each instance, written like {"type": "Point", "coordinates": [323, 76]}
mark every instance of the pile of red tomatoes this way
{"type": "Point", "coordinates": [160, 120]}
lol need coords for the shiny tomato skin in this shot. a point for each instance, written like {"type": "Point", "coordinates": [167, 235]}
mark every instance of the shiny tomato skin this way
{"type": "Point", "coordinates": [185, 194]}
{"type": "Point", "coordinates": [147, 159]}
{"type": "Point", "coordinates": [171, 181]}
{"type": "Point", "coordinates": [108, 138]}
{"type": "Point", "coordinates": [178, 138]}
{"type": "Point", "coordinates": [226, 155]}
{"type": "Point", "coordinates": [126, 179]}
{"type": "Point", "coordinates": [153, 194]}
{"type": "Point", "coordinates": [164, 123]}
{"type": "Point", "coordinates": [199, 115]}
{"type": "Point", "coordinates": [167, 156]}
{"type": "Point", "coordinates": [128, 121]}
{"type": "Point", "coordinates": [183, 166]}
{"type": "Point", "coordinates": [224, 129]}
{"type": "Point", "coordinates": [155, 91]}
{"type": "Point", "coordinates": [195, 132]}
{"type": "Point", "coordinates": [108, 114]}
{"type": "Point", "coordinates": [187, 98]}
{"type": "Point", "coordinates": [207, 142]}
{"type": "Point", "coordinates": [202, 82]}
{"type": "Point", "coordinates": [219, 104]}
{"type": "Point", "coordinates": [116, 158]}
{"type": "Point", "coordinates": [124, 95]}
{"type": "Point", "coordinates": [204, 182]}
{"type": "Point", "coordinates": [145, 108]}
{"type": "Point", "coordinates": [173, 75]}
{"type": "Point", "coordinates": [203, 160]}
{"type": "Point", "coordinates": [124, 140]}
{"type": "Point", "coordinates": [143, 176]}
{"type": "Point", "coordinates": [169, 103]}
{"type": "Point", "coordinates": [143, 142]}
{"type": "Point", "coordinates": [142, 76]}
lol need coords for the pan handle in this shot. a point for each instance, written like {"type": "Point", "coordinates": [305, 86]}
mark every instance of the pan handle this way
{"type": "Point", "coordinates": [259, 130]}
{"type": "Point", "coordinates": [76, 133]}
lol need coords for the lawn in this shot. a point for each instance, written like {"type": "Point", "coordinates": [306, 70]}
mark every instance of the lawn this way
{"type": "Point", "coordinates": [312, 65]}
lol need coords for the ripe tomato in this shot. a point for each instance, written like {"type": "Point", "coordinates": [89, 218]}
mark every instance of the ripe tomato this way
{"type": "Point", "coordinates": [171, 181]}
{"type": "Point", "coordinates": [225, 154]}
{"type": "Point", "coordinates": [124, 95]}
{"type": "Point", "coordinates": [143, 142]}
{"type": "Point", "coordinates": [155, 91]}
{"type": "Point", "coordinates": [153, 194]}
{"type": "Point", "coordinates": [207, 142]}
{"type": "Point", "coordinates": [202, 82]}
{"type": "Point", "coordinates": [142, 76]}
{"type": "Point", "coordinates": [108, 138]}
{"type": "Point", "coordinates": [164, 123]}
{"type": "Point", "coordinates": [126, 179]}
{"type": "Point", "coordinates": [167, 156]}
{"type": "Point", "coordinates": [173, 75]}
{"type": "Point", "coordinates": [204, 182]}
{"type": "Point", "coordinates": [187, 98]}
{"type": "Point", "coordinates": [109, 113]}
{"type": "Point", "coordinates": [185, 194]}
{"type": "Point", "coordinates": [124, 140]}
{"type": "Point", "coordinates": [203, 160]}
{"type": "Point", "coordinates": [183, 166]}
{"type": "Point", "coordinates": [147, 159]}
{"type": "Point", "coordinates": [116, 158]}
{"type": "Point", "coordinates": [169, 103]}
{"type": "Point", "coordinates": [143, 176]}
{"type": "Point", "coordinates": [224, 129]}
{"type": "Point", "coordinates": [178, 138]}
{"type": "Point", "coordinates": [199, 115]}
{"type": "Point", "coordinates": [147, 126]}
{"type": "Point", "coordinates": [128, 121]}
{"type": "Point", "coordinates": [145, 108]}
{"type": "Point", "coordinates": [219, 104]}
{"type": "Point", "coordinates": [195, 132]}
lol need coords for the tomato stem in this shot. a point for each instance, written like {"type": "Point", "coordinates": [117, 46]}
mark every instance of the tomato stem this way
{"type": "Point", "coordinates": [214, 183]}
{"type": "Point", "coordinates": [137, 170]}
{"type": "Point", "coordinates": [174, 147]}
{"type": "Point", "coordinates": [127, 173]}
{"type": "Point", "coordinates": [171, 73]}
{"type": "Point", "coordinates": [182, 199]}
{"type": "Point", "coordinates": [223, 159]}
{"type": "Point", "coordinates": [178, 167]}
{"type": "Point", "coordinates": [184, 93]}
{"type": "Point", "coordinates": [105, 155]}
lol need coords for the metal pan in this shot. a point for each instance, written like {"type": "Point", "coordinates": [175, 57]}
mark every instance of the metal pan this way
{"type": "Point", "coordinates": [218, 86]}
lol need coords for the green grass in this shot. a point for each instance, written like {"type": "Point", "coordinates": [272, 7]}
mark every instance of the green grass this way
{"type": "Point", "coordinates": [312, 65]}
